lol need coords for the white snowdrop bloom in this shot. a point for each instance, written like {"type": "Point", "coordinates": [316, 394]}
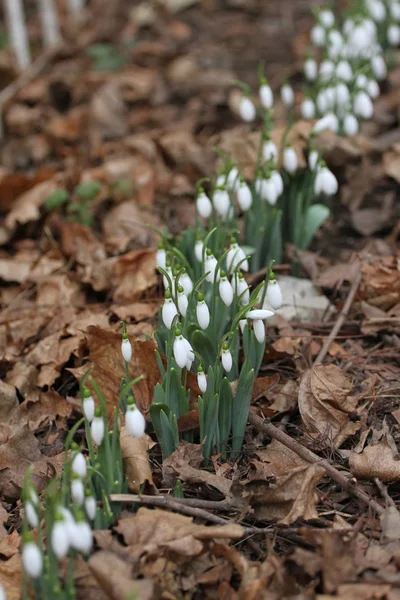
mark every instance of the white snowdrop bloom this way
{"type": "Point", "coordinates": [241, 288]}
{"type": "Point", "coordinates": [202, 314]}
{"type": "Point", "coordinates": [2, 592]}
{"type": "Point", "coordinates": [362, 105]}
{"type": "Point", "coordinates": [287, 95]}
{"type": "Point", "coordinates": [168, 270]}
{"type": "Point", "coordinates": [310, 68]}
{"type": "Point", "coordinates": [244, 196]}
{"type": "Point", "coordinates": [198, 250]}
{"type": "Point", "coordinates": [269, 191]}
{"type": "Point", "coordinates": [326, 18]}
{"type": "Point", "coordinates": [226, 358]}
{"type": "Point", "coordinates": [270, 151]}
{"type": "Point", "coordinates": [135, 421]}
{"type": "Point", "coordinates": [161, 257]}
{"type": "Point", "coordinates": [221, 202]}
{"type": "Point", "coordinates": [290, 161]}
{"type": "Point", "coordinates": [259, 330]}
{"type": "Point", "coordinates": [77, 492]}
{"type": "Point", "coordinates": [330, 94]}
{"type": "Point", "coordinates": [79, 466]}
{"type": "Point", "coordinates": [307, 109]}
{"type": "Point", "coordinates": [190, 354]}
{"type": "Point", "coordinates": [344, 71]}
{"type": "Point", "coordinates": [88, 405]}
{"type": "Point", "coordinates": [203, 205]}
{"type": "Point", "coordinates": [373, 88]}
{"type": "Point", "coordinates": [394, 7]}
{"type": "Point", "coordinates": [274, 294]}
{"type": "Point", "coordinates": [335, 44]}
{"type": "Point", "coordinates": [225, 291]}
{"type": "Point", "coordinates": [233, 179]}
{"type": "Point", "coordinates": [242, 324]}
{"type": "Point", "coordinates": [318, 36]}
{"type": "Point", "coordinates": [278, 181]}
{"type": "Point", "coordinates": [259, 314]}
{"type": "Point", "coordinates": [126, 348]}
{"type": "Point", "coordinates": [60, 539]}
{"type": "Point", "coordinates": [180, 351]}
{"type": "Point", "coordinates": [247, 110]}
{"type": "Point", "coordinates": [377, 10]}
{"type": "Point", "coordinates": [83, 539]}
{"type": "Point", "coordinates": [326, 70]}
{"type": "Point", "coordinates": [210, 267]}
{"type": "Point", "coordinates": [185, 281]}
{"type": "Point", "coordinates": [90, 507]}
{"type": "Point", "coordinates": [202, 380]}
{"type": "Point", "coordinates": [378, 67]}
{"type": "Point", "coordinates": [325, 182]}
{"type": "Point", "coordinates": [168, 311]}
{"type": "Point", "coordinates": [361, 81]}
{"type": "Point", "coordinates": [69, 522]}
{"type": "Point", "coordinates": [236, 258]}
{"type": "Point", "coordinates": [313, 159]}
{"type": "Point", "coordinates": [266, 96]}
{"type": "Point", "coordinates": [31, 514]}
{"type": "Point", "coordinates": [329, 121]}
{"type": "Point", "coordinates": [370, 28]}
{"type": "Point", "coordinates": [32, 560]}
{"type": "Point", "coordinates": [342, 94]}
{"type": "Point", "coordinates": [348, 26]}
{"type": "Point", "coordinates": [350, 125]}
{"type": "Point", "coordinates": [182, 302]}
{"type": "Point", "coordinates": [97, 430]}
{"type": "Point", "coordinates": [393, 35]}
{"type": "Point", "coordinates": [322, 102]}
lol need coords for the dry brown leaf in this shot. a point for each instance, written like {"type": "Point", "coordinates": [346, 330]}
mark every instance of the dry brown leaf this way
{"type": "Point", "coordinates": [325, 404]}
{"type": "Point", "coordinates": [390, 524]}
{"type": "Point", "coordinates": [108, 113]}
{"type": "Point", "coordinates": [136, 461]}
{"type": "Point", "coordinates": [133, 274]}
{"type": "Point", "coordinates": [114, 577]}
{"type": "Point", "coordinates": [359, 591]}
{"type": "Point", "coordinates": [9, 405]}
{"type": "Point", "coordinates": [26, 207]}
{"type": "Point", "coordinates": [11, 577]}
{"type": "Point", "coordinates": [375, 461]}
{"type": "Point", "coordinates": [40, 409]}
{"type": "Point", "coordinates": [127, 225]}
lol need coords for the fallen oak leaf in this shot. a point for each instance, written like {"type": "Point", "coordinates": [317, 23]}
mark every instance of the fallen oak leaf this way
{"type": "Point", "coordinates": [375, 461]}
{"type": "Point", "coordinates": [114, 577]}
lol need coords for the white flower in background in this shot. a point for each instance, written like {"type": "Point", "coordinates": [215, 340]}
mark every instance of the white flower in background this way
{"type": "Point", "coordinates": [362, 105]}
{"type": "Point", "coordinates": [307, 109]}
{"type": "Point", "coordinates": [180, 351]}
{"type": "Point", "coordinates": [344, 71]}
{"type": "Point", "coordinates": [247, 110]}
{"type": "Point", "coordinates": [361, 81]}
{"type": "Point", "coordinates": [393, 35]}
{"type": "Point", "coordinates": [77, 492]}
{"type": "Point", "coordinates": [241, 288]}
{"type": "Point", "coordinates": [88, 405]}
{"type": "Point", "coordinates": [202, 313]}
{"type": "Point", "coordinates": [266, 96]}
{"type": "Point", "coordinates": [226, 358]}
{"type": "Point", "coordinates": [329, 121]}
{"type": "Point", "coordinates": [274, 293]}
{"type": "Point", "coordinates": [126, 348]}
{"type": "Point", "coordinates": [97, 428]}
{"type": "Point", "coordinates": [2, 592]}
{"type": "Point", "coordinates": [310, 69]}
{"type": "Point", "coordinates": [198, 250]}
{"type": "Point", "coordinates": [326, 70]}
{"type": "Point", "coordinates": [31, 514]}
{"type": "Point", "coordinates": [348, 26]}
{"type": "Point", "coordinates": [60, 539]}
{"type": "Point", "coordinates": [169, 310]}
{"type": "Point", "coordinates": [236, 258]}
{"type": "Point", "coordinates": [259, 314]}
{"type": "Point", "coordinates": [326, 18]}
{"type": "Point", "coordinates": [335, 44]}
{"type": "Point", "coordinates": [270, 151]}
{"type": "Point", "coordinates": [225, 290]}
{"type": "Point", "coordinates": [318, 36]}
{"type": "Point", "coordinates": [135, 421]}
{"type": "Point", "coordinates": [69, 522]}
{"type": "Point", "coordinates": [287, 95]}
{"type": "Point", "coordinates": [378, 67]}
{"type": "Point", "coordinates": [202, 380]}
{"type": "Point", "coordinates": [342, 95]}
{"type": "Point", "coordinates": [182, 301]}
{"type": "Point", "coordinates": [90, 507]}
{"type": "Point", "coordinates": [210, 267]}
{"type": "Point", "coordinates": [32, 560]}
{"type": "Point", "coordinates": [244, 196]}
{"type": "Point", "coordinates": [322, 102]}
{"type": "Point", "coordinates": [259, 330]}
{"type": "Point", "coordinates": [350, 125]}
{"type": "Point", "coordinates": [161, 256]}
{"type": "Point", "coordinates": [377, 10]}
{"type": "Point", "coordinates": [269, 191]}
{"type": "Point", "coordinates": [373, 88]}
{"type": "Point", "coordinates": [313, 160]}
{"type": "Point", "coordinates": [233, 179]}
{"type": "Point", "coordinates": [278, 181]}
{"type": "Point", "coordinates": [325, 182]}
{"type": "Point", "coordinates": [79, 466]}
{"type": "Point", "coordinates": [221, 202]}
{"type": "Point", "coordinates": [290, 161]}
{"type": "Point", "coordinates": [185, 281]}
{"type": "Point", "coordinates": [168, 270]}
{"type": "Point", "coordinates": [203, 205]}
{"type": "Point", "coordinates": [83, 539]}
{"type": "Point", "coordinates": [394, 7]}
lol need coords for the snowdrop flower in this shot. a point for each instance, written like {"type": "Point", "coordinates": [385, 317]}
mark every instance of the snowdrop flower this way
{"type": "Point", "coordinates": [274, 293]}
{"type": "Point", "coordinates": [221, 202]}
{"type": "Point", "coordinates": [83, 539]}
{"type": "Point", "coordinates": [236, 258]}
{"type": "Point", "coordinates": [97, 427]}
{"type": "Point", "coordinates": [60, 539]}
{"type": "Point", "coordinates": [259, 330]}
{"type": "Point", "coordinates": [377, 10]}
{"type": "Point", "coordinates": [203, 205]}
{"type": "Point", "coordinates": [182, 301]}
{"type": "Point", "coordinates": [307, 109]}
{"type": "Point", "coordinates": [79, 466]}
{"type": "Point", "coordinates": [373, 88]}
{"type": "Point", "coordinates": [32, 560]}
{"type": "Point", "coordinates": [134, 421]}
{"type": "Point", "coordinates": [310, 69]}
{"type": "Point", "coordinates": [90, 507]}
{"type": "Point", "coordinates": [225, 290]}
{"type": "Point", "coordinates": [329, 121]}
{"type": "Point", "coordinates": [287, 95]}
{"type": "Point", "coordinates": [202, 312]}
{"type": "Point", "coordinates": [88, 405]}
{"type": "Point", "coordinates": [335, 44]}
{"type": "Point", "coordinates": [326, 18]}
{"type": "Point", "coordinates": [290, 159]}
{"type": "Point", "coordinates": [378, 67]}
{"type": "Point", "coordinates": [126, 348]}
{"type": "Point", "coordinates": [77, 491]}
{"type": "Point", "coordinates": [325, 182]}
{"type": "Point", "coordinates": [326, 70]}
{"type": "Point", "coordinates": [190, 354]}
{"type": "Point", "coordinates": [31, 514]}
{"type": "Point", "coordinates": [247, 110]}
{"type": "Point", "coordinates": [210, 267]}
{"type": "Point", "coordinates": [342, 94]}
{"type": "Point", "coordinates": [393, 35]}
{"type": "Point", "coordinates": [168, 311]}
{"type": "Point", "coordinates": [161, 256]}
{"type": "Point", "coordinates": [198, 250]}
{"type": "Point", "coordinates": [242, 324]}
{"type": "Point", "coordinates": [259, 314]}
{"type": "Point", "coordinates": [395, 10]}
{"type": "Point", "coordinates": [166, 283]}
{"type": "Point", "coordinates": [348, 26]}
{"type": "Point", "coordinates": [69, 522]}
{"type": "Point", "coordinates": [180, 350]}
{"type": "Point", "coordinates": [226, 358]}
{"type": "Point", "coordinates": [270, 151]}
{"type": "Point", "coordinates": [278, 181]}
{"type": "Point", "coordinates": [185, 281]}
{"type": "Point", "coordinates": [201, 379]}
{"type": "Point", "coordinates": [313, 160]}
{"type": "Point", "coordinates": [244, 196]}
{"type": "Point", "coordinates": [362, 105]}
{"type": "Point", "coordinates": [361, 81]}
{"type": "Point", "coordinates": [318, 36]}
{"type": "Point", "coordinates": [266, 96]}
{"type": "Point", "coordinates": [233, 179]}
{"type": "Point", "coordinates": [350, 125]}
{"type": "Point", "coordinates": [344, 71]}
{"type": "Point", "coordinates": [241, 288]}
{"type": "Point", "coordinates": [322, 102]}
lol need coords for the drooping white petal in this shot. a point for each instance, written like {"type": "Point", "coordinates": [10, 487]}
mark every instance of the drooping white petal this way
{"type": "Point", "coordinates": [226, 291]}
{"type": "Point", "coordinates": [77, 492]}
{"type": "Point", "coordinates": [126, 349]}
{"type": "Point", "coordinates": [90, 507]}
{"type": "Point", "coordinates": [182, 303]}
{"type": "Point", "coordinates": [266, 96]}
{"type": "Point", "coordinates": [203, 205]}
{"type": "Point", "coordinates": [244, 196]}
{"type": "Point", "coordinates": [79, 466]}
{"type": "Point", "coordinates": [135, 422]}
{"type": "Point", "coordinates": [290, 161]}
{"type": "Point", "coordinates": [260, 314]}
{"type": "Point", "coordinates": [202, 381]}
{"type": "Point", "coordinates": [97, 430]}
{"type": "Point", "coordinates": [168, 312]}
{"type": "Point", "coordinates": [32, 560]}
{"type": "Point", "coordinates": [180, 352]}
{"type": "Point", "coordinates": [226, 358]}
{"type": "Point", "coordinates": [274, 294]}
{"type": "Point", "coordinates": [203, 314]}
{"type": "Point", "coordinates": [60, 539]}
{"type": "Point", "coordinates": [259, 330]}
{"type": "Point", "coordinates": [247, 109]}
{"type": "Point", "coordinates": [88, 407]}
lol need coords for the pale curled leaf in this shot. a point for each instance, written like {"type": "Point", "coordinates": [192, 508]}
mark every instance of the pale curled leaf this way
{"type": "Point", "coordinates": [114, 577]}
{"type": "Point", "coordinates": [136, 460]}
{"type": "Point", "coordinates": [375, 461]}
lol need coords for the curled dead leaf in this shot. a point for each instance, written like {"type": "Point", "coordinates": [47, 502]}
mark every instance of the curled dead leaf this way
{"type": "Point", "coordinates": [114, 577]}
{"type": "Point", "coordinates": [136, 461]}
{"type": "Point", "coordinates": [375, 461]}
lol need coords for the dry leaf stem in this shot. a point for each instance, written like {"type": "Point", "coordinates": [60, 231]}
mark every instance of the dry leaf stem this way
{"type": "Point", "coordinates": [306, 454]}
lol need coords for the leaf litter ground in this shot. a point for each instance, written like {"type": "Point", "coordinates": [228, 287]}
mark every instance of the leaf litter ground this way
{"type": "Point", "coordinates": [310, 509]}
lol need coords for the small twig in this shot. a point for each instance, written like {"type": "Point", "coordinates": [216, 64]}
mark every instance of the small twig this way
{"type": "Point", "coordinates": [340, 320]}
{"type": "Point", "coordinates": [312, 458]}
